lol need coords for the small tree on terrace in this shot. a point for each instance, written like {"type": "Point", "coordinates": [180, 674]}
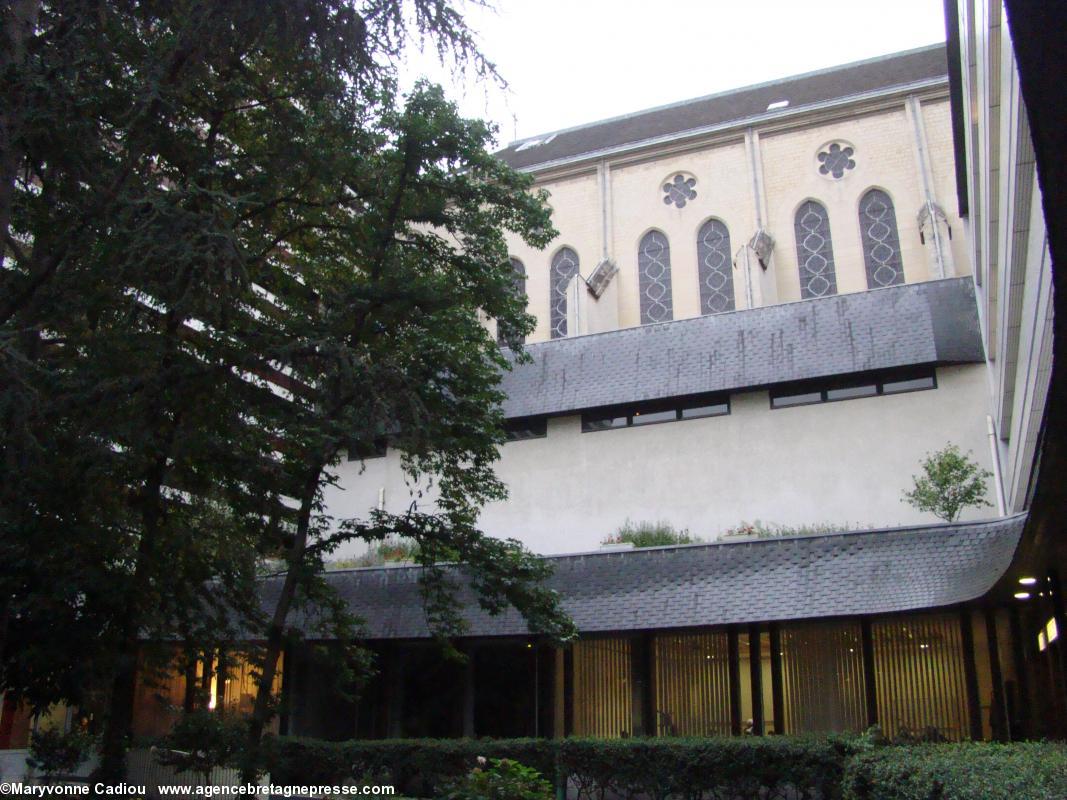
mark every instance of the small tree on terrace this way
{"type": "Point", "coordinates": [950, 483]}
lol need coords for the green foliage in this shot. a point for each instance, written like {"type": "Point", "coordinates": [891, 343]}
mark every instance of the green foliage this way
{"type": "Point", "coordinates": [378, 554]}
{"type": "Point", "coordinates": [771, 530]}
{"type": "Point", "coordinates": [500, 779]}
{"type": "Point", "coordinates": [650, 534]}
{"type": "Point", "coordinates": [53, 752]}
{"type": "Point", "coordinates": [748, 768]}
{"type": "Point", "coordinates": [861, 767]}
{"type": "Point", "coordinates": [950, 483]}
{"type": "Point", "coordinates": [201, 741]}
{"type": "Point", "coordinates": [1022, 771]}
{"type": "Point", "coordinates": [229, 250]}
{"type": "Point", "coordinates": [417, 767]}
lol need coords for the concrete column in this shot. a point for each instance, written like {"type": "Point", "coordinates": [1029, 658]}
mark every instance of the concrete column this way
{"type": "Point", "coordinates": [777, 693]}
{"type": "Point", "coordinates": [468, 692]}
{"type": "Point", "coordinates": [870, 685]}
{"type": "Point", "coordinates": [755, 670]}
{"type": "Point", "coordinates": [970, 676]}
{"type": "Point", "coordinates": [734, 666]}
{"type": "Point", "coordinates": [394, 695]}
{"type": "Point", "coordinates": [997, 716]}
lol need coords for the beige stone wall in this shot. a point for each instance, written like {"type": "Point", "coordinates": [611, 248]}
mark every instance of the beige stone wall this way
{"type": "Point", "coordinates": [605, 208]}
{"type": "Point", "coordinates": [724, 191]}
{"type": "Point", "coordinates": [575, 205]}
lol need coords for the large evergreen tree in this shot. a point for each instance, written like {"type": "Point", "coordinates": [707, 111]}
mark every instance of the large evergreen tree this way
{"type": "Point", "coordinates": [230, 251]}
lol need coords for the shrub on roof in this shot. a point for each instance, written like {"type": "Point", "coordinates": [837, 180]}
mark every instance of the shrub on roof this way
{"type": "Point", "coordinates": [650, 534]}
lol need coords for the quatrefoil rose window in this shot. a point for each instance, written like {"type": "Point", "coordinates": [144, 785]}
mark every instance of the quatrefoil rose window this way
{"type": "Point", "coordinates": [679, 190]}
{"type": "Point", "coordinates": [836, 160]}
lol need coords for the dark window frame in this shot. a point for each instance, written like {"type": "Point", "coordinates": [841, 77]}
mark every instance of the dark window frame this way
{"type": "Point", "coordinates": [380, 445]}
{"type": "Point", "coordinates": [630, 411]}
{"type": "Point", "coordinates": [521, 429]}
{"type": "Point", "coordinates": [878, 380]}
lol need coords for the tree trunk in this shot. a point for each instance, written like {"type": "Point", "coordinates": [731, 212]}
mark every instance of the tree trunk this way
{"type": "Point", "coordinates": [112, 769]}
{"type": "Point", "coordinates": [262, 712]}
{"type": "Point", "coordinates": [119, 720]}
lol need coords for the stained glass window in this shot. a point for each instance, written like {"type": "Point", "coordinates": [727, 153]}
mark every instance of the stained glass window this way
{"type": "Point", "coordinates": [654, 278]}
{"type": "Point", "coordinates": [815, 252]}
{"type": "Point", "coordinates": [564, 267]}
{"type": "Point", "coordinates": [679, 191]}
{"type": "Point", "coordinates": [518, 272]}
{"type": "Point", "coordinates": [715, 268]}
{"type": "Point", "coordinates": [881, 241]}
{"type": "Point", "coordinates": [836, 160]}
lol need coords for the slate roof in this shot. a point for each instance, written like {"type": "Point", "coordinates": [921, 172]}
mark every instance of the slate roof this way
{"type": "Point", "coordinates": [921, 323]}
{"type": "Point", "coordinates": [736, 106]}
{"type": "Point", "coordinates": [843, 574]}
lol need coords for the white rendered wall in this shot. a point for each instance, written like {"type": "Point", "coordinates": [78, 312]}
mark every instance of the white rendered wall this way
{"type": "Point", "coordinates": [842, 462]}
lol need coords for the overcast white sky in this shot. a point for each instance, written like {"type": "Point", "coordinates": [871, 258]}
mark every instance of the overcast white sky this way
{"type": "Point", "coordinates": [569, 62]}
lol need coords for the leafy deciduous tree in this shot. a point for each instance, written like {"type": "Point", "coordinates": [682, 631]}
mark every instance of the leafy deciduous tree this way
{"type": "Point", "coordinates": [229, 251]}
{"type": "Point", "coordinates": [950, 483]}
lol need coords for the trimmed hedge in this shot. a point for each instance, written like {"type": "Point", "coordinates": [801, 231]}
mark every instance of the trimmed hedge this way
{"type": "Point", "coordinates": [749, 768]}
{"type": "Point", "coordinates": [416, 767]}
{"type": "Point", "coordinates": [968, 771]}
{"type": "Point", "coordinates": [655, 768]}
{"type": "Point", "coordinates": [668, 768]}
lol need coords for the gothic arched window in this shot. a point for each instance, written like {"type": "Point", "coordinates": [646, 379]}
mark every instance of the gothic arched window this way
{"type": "Point", "coordinates": [714, 268]}
{"type": "Point", "coordinates": [815, 251]}
{"type": "Point", "coordinates": [518, 278]}
{"type": "Point", "coordinates": [881, 241]}
{"type": "Point", "coordinates": [654, 278]}
{"type": "Point", "coordinates": [564, 267]}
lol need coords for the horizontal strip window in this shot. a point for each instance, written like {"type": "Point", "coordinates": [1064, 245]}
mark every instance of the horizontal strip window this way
{"type": "Point", "coordinates": [526, 428]}
{"type": "Point", "coordinates": [361, 451]}
{"type": "Point", "coordinates": [871, 385]}
{"type": "Point", "coordinates": [654, 412]}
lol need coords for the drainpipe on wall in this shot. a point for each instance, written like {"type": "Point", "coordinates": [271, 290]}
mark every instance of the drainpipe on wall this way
{"type": "Point", "coordinates": [914, 111]}
{"type": "Point", "coordinates": [994, 452]}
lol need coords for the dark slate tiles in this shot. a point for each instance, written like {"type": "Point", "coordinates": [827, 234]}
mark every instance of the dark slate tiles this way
{"type": "Point", "coordinates": [846, 574]}
{"type": "Point", "coordinates": [921, 323]}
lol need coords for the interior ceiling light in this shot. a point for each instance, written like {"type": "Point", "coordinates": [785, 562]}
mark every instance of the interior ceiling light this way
{"type": "Point", "coordinates": [1022, 595]}
{"type": "Point", "coordinates": [1027, 581]}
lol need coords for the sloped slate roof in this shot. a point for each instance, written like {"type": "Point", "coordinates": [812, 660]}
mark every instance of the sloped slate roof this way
{"type": "Point", "coordinates": [737, 105]}
{"type": "Point", "coordinates": [844, 574]}
{"type": "Point", "coordinates": [920, 323]}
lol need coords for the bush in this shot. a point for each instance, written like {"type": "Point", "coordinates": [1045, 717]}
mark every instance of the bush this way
{"type": "Point", "coordinates": [201, 741]}
{"type": "Point", "coordinates": [503, 779]}
{"type": "Point", "coordinates": [743, 768]}
{"type": "Point", "coordinates": [968, 771]}
{"type": "Point", "coordinates": [650, 534]}
{"type": "Point", "coordinates": [416, 767]}
{"type": "Point", "coordinates": [53, 752]}
{"type": "Point", "coordinates": [662, 769]}
{"type": "Point", "coordinates": [772, 530]}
